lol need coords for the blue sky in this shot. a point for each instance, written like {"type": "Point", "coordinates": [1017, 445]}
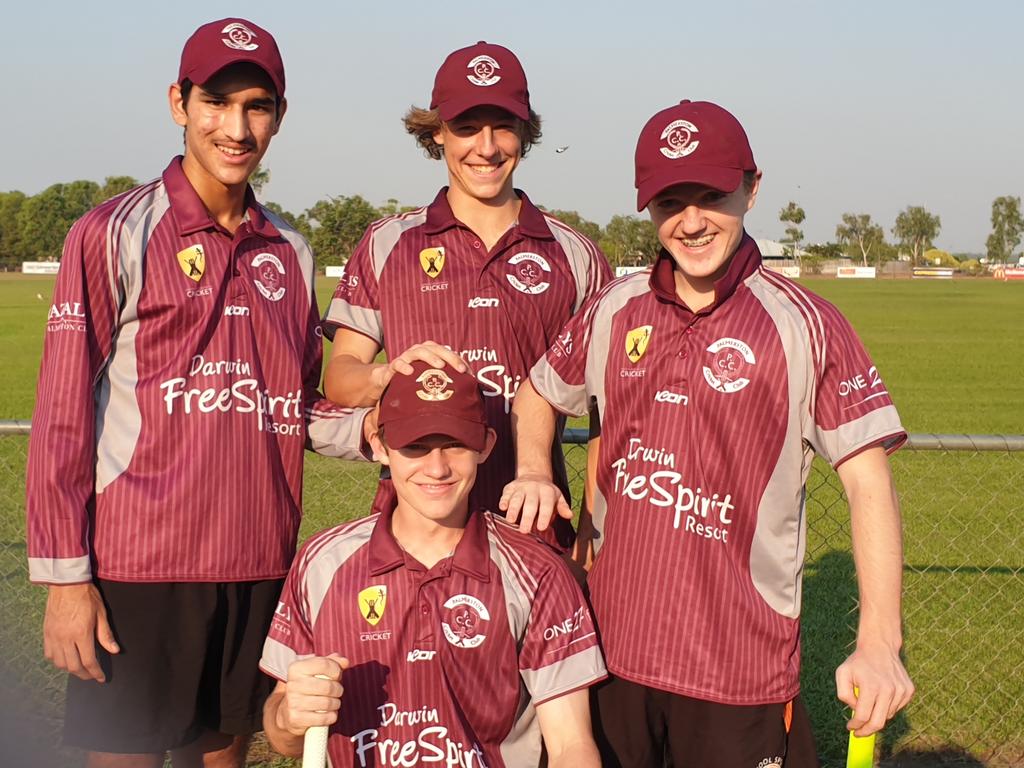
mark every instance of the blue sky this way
{"type": "Point", "coordinates": [861, 107]}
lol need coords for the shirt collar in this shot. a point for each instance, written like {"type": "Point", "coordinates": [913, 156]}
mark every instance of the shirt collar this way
{"type": "Point", "coordinates": [191, 215]}
{"type": "Point", "coordinates": [744, 262]}
{"type": "Point", "coordinates": [472, 553]}
{"type": "Point", "coordinates": [531, 220]}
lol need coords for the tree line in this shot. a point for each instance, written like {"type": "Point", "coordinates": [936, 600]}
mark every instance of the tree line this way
{"type": "Point", "coordinates": [862, 240]}
{"type": "Point", "coordinates": [32, 228]}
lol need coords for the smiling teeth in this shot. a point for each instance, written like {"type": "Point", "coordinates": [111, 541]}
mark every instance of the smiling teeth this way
{"type": "Point", "coordinates": [482, 169]}
{"type": "Point", "coordinates": [697, 242]}
{"type": "Point", "coordinates": [229, 151]}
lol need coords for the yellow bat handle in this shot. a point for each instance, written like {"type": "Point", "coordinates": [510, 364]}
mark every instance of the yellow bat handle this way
{"type": "Point", "coordinates": [861, 751]}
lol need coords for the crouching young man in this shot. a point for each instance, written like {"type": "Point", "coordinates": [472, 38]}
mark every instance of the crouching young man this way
{"type": "Point", "coordinates": [425, 633]}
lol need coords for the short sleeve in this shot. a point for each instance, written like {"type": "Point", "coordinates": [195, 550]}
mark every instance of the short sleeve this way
{"type": "Point", "coordinates": [291, 636]}
{"type": "Point", "coordinates": [356, 302]}
{"type": "Point", "coordinates": [853, 409]}
{"type": "Point", "coordinates": [560, 375]}
{"type": "Point", "coordinates": [560, 651]}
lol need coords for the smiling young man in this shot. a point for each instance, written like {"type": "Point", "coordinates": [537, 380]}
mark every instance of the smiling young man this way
{"type": "Point", "coordinates": [426, 633]}
{"type": "Point", "coordinates": [716, 381]}
{"type": "Point", "coordinates": [479, 279]}
{"type": "Point", "coordinates": [176, 395]}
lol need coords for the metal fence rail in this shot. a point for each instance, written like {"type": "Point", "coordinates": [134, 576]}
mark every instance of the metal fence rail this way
{"type": "Point", "coordinates": [962, 498]}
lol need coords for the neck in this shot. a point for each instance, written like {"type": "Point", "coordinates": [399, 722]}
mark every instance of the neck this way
{"type": "Point", "coordinates": [226, 204]}
{"type": "Point", "coordinates": [429, 541]}
{"type": "Point", "coordinates": [489, 219]}
{"type": "Point", "coordinates": [695, 293]}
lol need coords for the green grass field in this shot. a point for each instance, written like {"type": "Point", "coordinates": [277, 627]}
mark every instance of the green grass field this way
{"type": "Point", "coordinates": [950, 352]}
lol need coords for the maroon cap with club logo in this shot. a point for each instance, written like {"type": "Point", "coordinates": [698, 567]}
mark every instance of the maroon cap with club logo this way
{"type": "Point", "coordinates": [480, 74]}
{"type": "Point", "coordinates": [433, 401]}
{"type": "Point", "coordinates": [222, 43]}
{"type": "Point", "coordinates": [692, 142]}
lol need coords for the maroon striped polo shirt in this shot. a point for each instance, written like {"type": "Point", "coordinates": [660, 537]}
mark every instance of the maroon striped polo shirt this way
{"type": "Point", "coordinates": [424, 275]}
{"type": "Point", "coordinates": [449, 663]}
{"type": "Point", "coordinates": [709, 423]}
{"type": "Point", "coordinates": [176, 394]}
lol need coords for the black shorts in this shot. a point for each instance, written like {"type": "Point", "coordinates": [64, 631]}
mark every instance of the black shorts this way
{"type": "Point", "coordinates": [636, 726]}
{"type": "Point", "coordinates": [188, 663]}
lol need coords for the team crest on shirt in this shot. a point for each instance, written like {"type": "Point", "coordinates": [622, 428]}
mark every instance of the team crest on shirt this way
{"type": "Point", "coordinates": [484, 71]}
{"type": "Point", "coordinates": [637, 341]}
{"type": "Point", "coordinates": [192, 261]}
{"type": "Point", "coordinates": [529, 273]}
{"type": "Point", "coordinates": [464, 622]}
{"type": "Point", "coordinates": [434, 383]}
{"type": "Point", "coordinates": [729, 367]}
{"type": "Point", "coordinates": [239, 37]}
{"type": "Point", "coordinates": [432, 261]}
{"type": "Point", "coordinates": [372, 602]}
{"type": "Point", "coordinates": [269, 276]}
{"type": "Point", "coordinates": [678, 138]}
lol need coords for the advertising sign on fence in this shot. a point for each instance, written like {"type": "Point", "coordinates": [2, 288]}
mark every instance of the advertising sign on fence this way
{"type": "Point", "coordinates": [620, 271]}
{"type": "Point", "coordinates": [856, 272]}
{"type": "Point", "coordinates": [791, 272]}
{"type": "Point", "coordinates": [334, 271]}
{"type": "Point", "coordinates": [1008, 273]}
{"type": "Point", "coordinates": [934, 273]}
{"type": "Point", "coordinates": [40, 267]}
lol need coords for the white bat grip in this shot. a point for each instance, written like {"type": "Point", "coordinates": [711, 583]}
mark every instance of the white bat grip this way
{"type": "Point", "coordinates": [314, 747]}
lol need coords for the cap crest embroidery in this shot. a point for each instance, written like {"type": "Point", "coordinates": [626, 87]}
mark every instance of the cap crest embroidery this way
{"type": "Point", "coordinates": [484, 71]}
{"type": "Point", "coordinates": [239, 37]}
{"type": "Point", "coordinates": [435, 385]}
{"type": "Point", "coordinates": [678, 135]}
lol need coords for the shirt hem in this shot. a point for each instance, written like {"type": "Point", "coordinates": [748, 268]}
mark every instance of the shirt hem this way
{"type": "Point", "coordinates": [704, 695]}
{"type": "Point", "coordinates": [205, 578]}
{"type": "Point", "coordinates": [897, 440]}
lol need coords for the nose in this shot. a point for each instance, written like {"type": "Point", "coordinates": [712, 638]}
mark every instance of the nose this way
{"type": "Point", "coordinates": [691, 219]}
{"type": "Point", "coordinates": [236, 123]}
{"type": "Point", "coordinates": [485, 145]}
{"type": "Point", "coordinates": [435, 464]}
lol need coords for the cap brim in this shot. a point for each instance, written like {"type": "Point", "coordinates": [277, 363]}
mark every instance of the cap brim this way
{"type": "Point", "coordinates": [716, 177]}
{"type": "Point", "coordinates": [401, 432]}
{"type": "Point", "coordinates": [199, 75]}
{"type": "Point", "coordinates": [452, 108]}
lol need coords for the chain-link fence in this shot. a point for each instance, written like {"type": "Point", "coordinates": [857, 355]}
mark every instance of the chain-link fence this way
{"type": "Point", "coordinates": [963, 509]}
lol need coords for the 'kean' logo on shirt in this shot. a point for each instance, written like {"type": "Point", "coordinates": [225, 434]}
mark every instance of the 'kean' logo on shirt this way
{"type": "Point", "coordinates": [192, 261]}
{"type": "Point", "coordinates": [372, 602]}
{"type": "Point", "coordinates": [637, 341]}
{"type": "Point", "coordinates": [432, 261]}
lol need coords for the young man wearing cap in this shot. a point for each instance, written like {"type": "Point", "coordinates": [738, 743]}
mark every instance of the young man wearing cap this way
{"type": "Point", "coordinates": [481, 273]}
{"type": "Point", "coordinates": [716, 382]}
{"type": "Point", "coordinates": [176, 394]}
{"type": "Point", "coordinates": [426, 634]}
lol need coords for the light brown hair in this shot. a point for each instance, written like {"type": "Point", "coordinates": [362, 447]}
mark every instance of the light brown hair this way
{"type": "Point", "coordinates": [424, 123]}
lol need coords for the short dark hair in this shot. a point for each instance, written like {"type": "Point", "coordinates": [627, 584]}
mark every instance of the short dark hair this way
{"type": "Point", "coordinates": [186, 91]}
{"type": "Point", "coordinates": [749, 177]}
{"type": "Point", "coordinates": [424, 123]}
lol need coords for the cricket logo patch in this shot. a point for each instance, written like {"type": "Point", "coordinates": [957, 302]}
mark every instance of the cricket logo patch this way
{"type": "Point", "coordinates": [372, 602]}
{"type": "Point", "coordinates": [192, 261]}
{"type": "Point", "coordinates": [464, 622]}
{"type": "Point", "coordinates": [269, 276]}
{"type": "Point", "coordinates": [529, 273]}
{"type": "Point", "coordinates": [637, 341]}
{"type": "Point", "coordinates": [239, 37]}
{"type": "Point", "coordinates": [432, 261]}
{"type": "Point", "coordinates": [678, 138]}
{"type": "Point", "coordinates": [729, 367]}
{"type": "Point", "coordinates": [484, 71]}
{"type": "Point", "coordinates": [434, 383]}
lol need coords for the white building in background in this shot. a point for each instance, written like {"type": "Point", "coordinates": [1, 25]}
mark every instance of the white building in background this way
{"type": "Point", "coordinates": [773, 249]}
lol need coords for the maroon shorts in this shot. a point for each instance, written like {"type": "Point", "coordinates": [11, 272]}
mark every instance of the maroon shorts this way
{"type": "Point", "coordinates": [637, 727]}
{"type": "Point", "coordinates": [188, 663]}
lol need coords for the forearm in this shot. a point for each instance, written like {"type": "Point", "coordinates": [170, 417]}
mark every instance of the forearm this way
{"type": "Point", "coordinates": [533, 427]}
{"type": "Point", "coordinates": [350, 382]}
{"type": "Point", "coordinates": [284, 741]}
{"type": "Point", "coordinates": [582, 754]}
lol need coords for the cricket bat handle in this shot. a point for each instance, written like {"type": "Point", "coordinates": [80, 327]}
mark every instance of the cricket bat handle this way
{"type": "Point", "coordinates": [314, 747]}
{"type": "Point", "coordinates": [861, 750]}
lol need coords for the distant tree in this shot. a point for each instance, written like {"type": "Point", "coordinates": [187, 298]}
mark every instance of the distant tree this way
{"type": "Point", "coordinates": [259, 179]}
{"type": "Point", "coordinates": [794, 215]}
{"type": "Point", "coordinates": [391, 207]}
{"type": "Point", "coordinates": [916, 229]}
{"type": "Point", "coordinates": [936, 257]}
{"type": "Point", "coordinates": [583, 226]}
{"type": "Point", "coordinates": [44, 219]}
{"type": "Point", "coordinates": [860, 235]}
{"type": "Point", "coordinates": [630, 241]}
{"type": "Point", "coordinates": [113, 186]}
{"type": "Point", "coordinates": [10, 232]}
{"type": "Point", "coordinates": [1007, 226]}
{"type": "Point", "coordinates": [336, 226]}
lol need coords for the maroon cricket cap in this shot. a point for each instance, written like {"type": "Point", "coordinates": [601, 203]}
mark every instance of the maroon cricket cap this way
{"type": "Point", "coordinates": [433, 401]}
{"type": "Point", "coordinates": [222, 43]}
{"type": "Point", "coordinates": [480, 74]}
{"type": "Point", "coordinates": [692, 142]}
